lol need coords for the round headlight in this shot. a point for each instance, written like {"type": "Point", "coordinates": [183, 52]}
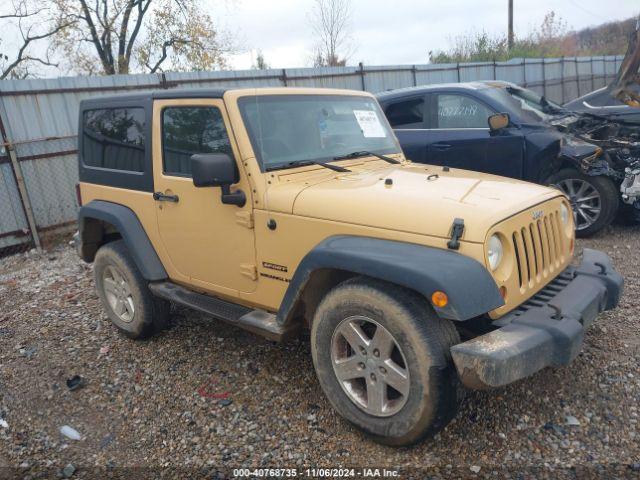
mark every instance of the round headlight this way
{"type": "Point", "coordinates": [494, 252]}
{"type": "Point", "coordinates": [564, 214]}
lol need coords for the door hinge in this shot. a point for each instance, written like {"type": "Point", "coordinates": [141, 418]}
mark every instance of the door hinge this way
{"type": "Point", "coordinates": [249, 270]}
{"type": "Point", "coordinates": [245, 218]}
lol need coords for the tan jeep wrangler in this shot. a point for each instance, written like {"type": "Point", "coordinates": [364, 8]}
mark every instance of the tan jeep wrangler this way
{"type": "Point", "coordinates": [280, 210]}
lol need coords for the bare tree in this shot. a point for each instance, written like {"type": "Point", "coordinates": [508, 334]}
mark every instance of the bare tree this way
{"type": "Point", "coordinates": [121, 36]}
{"type": "Point", "coordinates": [331, 23]}
{"type": "Point", "coordinates": [27, 22]}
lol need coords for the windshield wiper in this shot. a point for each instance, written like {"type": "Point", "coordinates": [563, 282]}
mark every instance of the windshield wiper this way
{"type": "Point", "coordinates": [335, 168]}
{"type": "Point", "coordinates": [365, 153]}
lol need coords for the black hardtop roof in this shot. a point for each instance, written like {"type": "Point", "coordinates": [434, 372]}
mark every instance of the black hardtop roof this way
{"type": "Point", "coordinates": [146, 97]}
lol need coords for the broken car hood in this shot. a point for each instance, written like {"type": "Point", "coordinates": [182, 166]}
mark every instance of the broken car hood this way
{"type": "Point", "coordinates": [420, 199]}
{"type": "Point", "coordinates": [626, 86]}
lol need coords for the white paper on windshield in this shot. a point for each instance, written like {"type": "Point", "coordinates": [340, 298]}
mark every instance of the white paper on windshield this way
{"type": "Point", "coordinates": [369, 123]}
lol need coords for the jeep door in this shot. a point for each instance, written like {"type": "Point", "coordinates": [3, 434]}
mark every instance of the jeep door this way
{"type": "Point", "coordinates": [460, 136]}
{"type": "Point", "coordinates": [209, 244]}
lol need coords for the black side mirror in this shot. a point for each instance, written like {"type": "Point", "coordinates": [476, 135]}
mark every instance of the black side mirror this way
{"type": "Point", "coordinates": [499, 121]}
{"type": "Point", "coordinates": [213, 170]}
{"type": "Point", "coordinates": [217, 170]}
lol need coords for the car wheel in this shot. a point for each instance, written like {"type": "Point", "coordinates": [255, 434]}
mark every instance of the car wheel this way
{"type": "Point", "coordinates": [594, 200]}
{"type": "Point", "coordinates": [382, 358]}
{"type": "Point", "coordinates": [125, 294]}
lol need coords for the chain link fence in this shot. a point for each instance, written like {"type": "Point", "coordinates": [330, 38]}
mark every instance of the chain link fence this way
{"type": "Point", "coordinates": [38, 121]}
{"type": "Point", "coordinates": [15, 235]}
{"type": "Point", "coordinates": [36, 192]}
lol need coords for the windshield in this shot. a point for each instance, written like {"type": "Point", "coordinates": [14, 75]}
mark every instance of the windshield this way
{"type": "Point", "coordinates": [286, 130]}
{"type": "Point", "coordinates": [529, 105]}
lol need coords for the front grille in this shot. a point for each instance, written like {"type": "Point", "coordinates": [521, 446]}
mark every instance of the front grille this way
{"type": "Point", "coordinates": [539, 249]}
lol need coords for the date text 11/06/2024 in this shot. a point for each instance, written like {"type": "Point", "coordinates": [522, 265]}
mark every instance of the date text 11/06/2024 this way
{"type": "Point", "coordinates": [316, 472]}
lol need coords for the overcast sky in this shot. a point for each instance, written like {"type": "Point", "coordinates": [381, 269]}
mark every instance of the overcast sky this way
{"type": "Point", "coordinates": [396, 31]}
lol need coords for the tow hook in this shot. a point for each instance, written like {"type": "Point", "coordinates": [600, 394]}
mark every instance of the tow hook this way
{"type": "Point", "coordinates": [558, 311]}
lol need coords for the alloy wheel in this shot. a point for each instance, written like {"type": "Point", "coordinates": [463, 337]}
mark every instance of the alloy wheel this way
{"type": "Point", "coordinates": [585, 201]}
{"type": "Point", "coordinates": [370, 366]}
{"type": "Point", "coordinates": [118, 293]}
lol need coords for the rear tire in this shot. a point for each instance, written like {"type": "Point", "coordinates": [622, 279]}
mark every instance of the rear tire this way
{"type": "Point", "coordinates": [603, 197]}
{"type": "Point", "coordinates": [125, 294]}
{"type": "Point", "coordinates": [428, 394]}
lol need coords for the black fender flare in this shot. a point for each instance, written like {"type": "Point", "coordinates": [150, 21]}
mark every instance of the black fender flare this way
{"type": "Point", "coordinates": [472, 291]}
{"type": "Point", "coordinates": [128, 225]}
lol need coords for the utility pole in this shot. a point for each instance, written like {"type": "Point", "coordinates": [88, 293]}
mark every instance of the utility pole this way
{"type": "Point", "coordinates": [510, 33]}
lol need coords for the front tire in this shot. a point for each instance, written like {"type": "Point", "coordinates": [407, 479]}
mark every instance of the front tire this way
{"type": "Point", "coordinates": [382, 358]}
{"type": "Point", "coordinates": [125, 294]}
{"type": "Point", "coordinates": [594, 200]}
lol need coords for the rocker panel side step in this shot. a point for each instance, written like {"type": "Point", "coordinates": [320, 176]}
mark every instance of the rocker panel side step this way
{"type": "Point", "coordinates": [257, 321]}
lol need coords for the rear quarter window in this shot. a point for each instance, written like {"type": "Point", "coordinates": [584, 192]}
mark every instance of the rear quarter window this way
{"type": "Point", "coordinates": [114, 139]}
{"type": "Point", "coordinates": [406, 114]}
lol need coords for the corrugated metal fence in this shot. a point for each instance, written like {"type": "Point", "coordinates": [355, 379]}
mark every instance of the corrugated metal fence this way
{"type": "Point", "coordinates": [38, 119]}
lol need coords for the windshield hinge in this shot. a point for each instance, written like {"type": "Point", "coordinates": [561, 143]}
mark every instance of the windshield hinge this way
{"type": "Point", "coordinates": [249, 270]}
{"type": "Point", "coordinates": [245, 218]}
{"type": "Point", "coordinates": [457, 229]}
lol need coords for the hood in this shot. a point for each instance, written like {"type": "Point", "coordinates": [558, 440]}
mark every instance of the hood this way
{"type": "Point", "coordinates": [626, 86]}
{"type": "Point", "coordinates": [420, 199]}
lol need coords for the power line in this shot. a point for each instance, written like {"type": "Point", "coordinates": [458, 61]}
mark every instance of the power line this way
{"type": "Point", "coordinates": [576, 4]}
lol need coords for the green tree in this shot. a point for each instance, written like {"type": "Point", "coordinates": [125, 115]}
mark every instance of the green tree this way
{"type": "Point", "coordinates": [551, 39]}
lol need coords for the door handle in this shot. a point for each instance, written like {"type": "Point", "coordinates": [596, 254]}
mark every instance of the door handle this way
{"type": "Point", "coordinates": [441, 146]}
{"type": "Point", "coordinates": [161, 197]}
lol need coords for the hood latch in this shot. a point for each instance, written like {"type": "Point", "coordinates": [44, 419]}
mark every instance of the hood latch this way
{"type": "Point", "coordinates": [457, 229]}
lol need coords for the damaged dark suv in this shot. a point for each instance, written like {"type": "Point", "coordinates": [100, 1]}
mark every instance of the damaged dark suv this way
{"type": "Point", "coordinates": [616, 130]}
{"type": "Point", "coordinates": [500, 128]}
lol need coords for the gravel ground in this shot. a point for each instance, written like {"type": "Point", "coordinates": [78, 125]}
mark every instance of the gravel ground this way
{"type": "Point", "coordinates": [204, 397]}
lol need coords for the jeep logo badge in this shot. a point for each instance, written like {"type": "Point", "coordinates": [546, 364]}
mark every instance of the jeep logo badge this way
{"type": "Point", "coordinates": [536, 214]}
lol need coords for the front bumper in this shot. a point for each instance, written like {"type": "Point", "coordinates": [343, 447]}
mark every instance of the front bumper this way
{"type": "Point", "coordinates": [545, 331]}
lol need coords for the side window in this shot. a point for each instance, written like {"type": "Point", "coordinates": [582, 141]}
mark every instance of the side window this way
{"type": "Point", "coordinates": [460, 111]}
{"type": "Point", "coordinates": [406, 114]}
{"type": "Point", "coordinates": [113, 138]}
{"type": "Point", "coordinates": [190, 130]}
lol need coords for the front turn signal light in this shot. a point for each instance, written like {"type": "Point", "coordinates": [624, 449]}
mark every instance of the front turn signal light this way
{"type": "Point", "coordinates": [439, 299]}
